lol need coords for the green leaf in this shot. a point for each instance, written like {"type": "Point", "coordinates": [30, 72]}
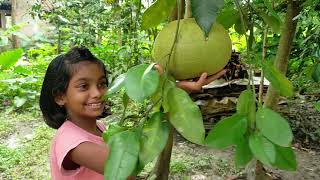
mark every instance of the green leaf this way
{"type": "Point", "coordinates": [285, 158]}
{"type": "Point", "coordinates": [19, 101]}
{"type": "Point", "coordinates": [317, 106]}
{"type": "Point", "coordinates": [135, 78]}
{"type": "Point", "coordinates": [271, 10]}
{"type": "Point", "coordinates": [154, 138]}
{"type": "Point", "coordinates": [123, 156]}
{"type": "Point", "coordinates": [228, 17]}
{"type": "Point", "coordinates": [278, 80]}
{"type": "Point", "coordinates": [205, 13]}
{"type": "Point", "coordinates": [150, 80]}
{"type": "Point", "coordinates": [9, 58]}
{"type": "Point", "coordinates": [227, 132]}
{"type": "Point", "coordinates": [246, 104]}
{"type": "Point", "coordinates": [274, 127]}
{"type": "Point", "coordinates": [116, 85]}
{"type": "Point", "coordinates": [271, 21]}
{"type": "Point", "coordinates": [185, 115]}
{"type": "Point", "coordinates": [243, 153]}
{"type": "Point", "coordinates": [157, 13]}
{"type": "Point", "coordinates": [260, 148]}
{"type": "Point", "coordinates": [239, 27]}
{"type": "Point", "coordinates": [164, 85]}
{"type": "Point", "coordinates": [112, 130]}
{"type": "Point", "coordinates": [316, 73]}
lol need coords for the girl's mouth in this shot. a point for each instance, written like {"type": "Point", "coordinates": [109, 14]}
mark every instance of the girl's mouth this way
{"type": "Point", "coordinates": [95, 105]}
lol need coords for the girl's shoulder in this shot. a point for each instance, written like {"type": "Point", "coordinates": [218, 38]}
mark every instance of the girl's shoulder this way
{"type": "Point", "coordinates": [70, 133]}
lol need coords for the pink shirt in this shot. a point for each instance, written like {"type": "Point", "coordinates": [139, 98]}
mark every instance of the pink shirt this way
{"type": "Point", "coordinates": [67, 138]}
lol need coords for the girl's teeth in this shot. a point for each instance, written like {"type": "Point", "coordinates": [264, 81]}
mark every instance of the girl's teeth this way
{"type": "Point", "coordinates": [94, 105]}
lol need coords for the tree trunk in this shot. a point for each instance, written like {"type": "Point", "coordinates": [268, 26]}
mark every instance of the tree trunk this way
{"type": "Point", "coordinates": [281, 63]}
{"type": "Point", "coordinates": [163, 163]}
{"type": "Point", "coordinates": [284, 49]}
{"type": "Point", "coordinates": [15, 40]}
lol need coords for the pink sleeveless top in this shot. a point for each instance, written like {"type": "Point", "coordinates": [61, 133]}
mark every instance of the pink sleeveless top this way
{"type": "Point", "coordinates": [67, 138]}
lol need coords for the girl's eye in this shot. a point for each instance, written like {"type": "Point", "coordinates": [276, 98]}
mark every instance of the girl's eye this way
{"type": "Point", "coordinates": [83, 87]}
{"type": "Point", "coordinates": [102, 84]}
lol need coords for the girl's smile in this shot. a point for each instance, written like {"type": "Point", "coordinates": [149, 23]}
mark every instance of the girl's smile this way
{"type": "Point", "coordinates": [83, 98]}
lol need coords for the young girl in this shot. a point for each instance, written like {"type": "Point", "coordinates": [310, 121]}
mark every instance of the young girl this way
{"type": "Point", "coordinates": [71, 101]}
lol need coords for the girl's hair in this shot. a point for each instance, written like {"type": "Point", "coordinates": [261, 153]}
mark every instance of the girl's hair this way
{"type": "Point", "coordinates": [56, 80]}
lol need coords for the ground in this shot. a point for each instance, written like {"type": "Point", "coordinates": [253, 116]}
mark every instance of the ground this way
{"type": "Point", "coordinates": [25, 141]}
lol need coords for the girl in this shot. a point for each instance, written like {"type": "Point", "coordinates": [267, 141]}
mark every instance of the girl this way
{"type": "Point", "coordinates": [71, 101]}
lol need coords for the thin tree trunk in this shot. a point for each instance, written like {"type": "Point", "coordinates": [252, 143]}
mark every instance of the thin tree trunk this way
{"type": "Point", "coordinates": [284, 49]}
{"type": "Point", "coordinates": [14, 11]}
{"type": "Point", "coordinates": [162, 167]}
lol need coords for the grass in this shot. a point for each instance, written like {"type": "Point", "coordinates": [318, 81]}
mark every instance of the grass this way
{"type": "Point", "coordinates": [29, 158]}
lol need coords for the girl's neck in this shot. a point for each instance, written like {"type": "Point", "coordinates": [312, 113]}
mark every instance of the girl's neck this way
{"type": "Point", "coordinates": [89, 125]}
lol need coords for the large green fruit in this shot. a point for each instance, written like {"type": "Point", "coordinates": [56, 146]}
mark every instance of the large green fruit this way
{"type": "Point", "coordinates": [193, 53]}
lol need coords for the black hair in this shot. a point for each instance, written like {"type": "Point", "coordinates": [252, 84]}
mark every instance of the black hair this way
{"type": "Point", "coordinates": [56, 80]}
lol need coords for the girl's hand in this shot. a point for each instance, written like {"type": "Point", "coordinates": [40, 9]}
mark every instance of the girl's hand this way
{"type": "Point", "coordinates": [192, 86]}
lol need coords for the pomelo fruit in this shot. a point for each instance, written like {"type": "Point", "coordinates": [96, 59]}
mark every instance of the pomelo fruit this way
{"type": "Point", "coordinates": [193, 53]}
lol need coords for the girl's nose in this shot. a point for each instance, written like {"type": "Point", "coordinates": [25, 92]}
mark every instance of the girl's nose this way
{"type": "Point", "coordinates": [96, 92]}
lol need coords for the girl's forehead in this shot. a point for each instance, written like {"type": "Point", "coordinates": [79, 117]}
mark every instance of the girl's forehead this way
{"type": "Point", "coordinates": [87, 68]}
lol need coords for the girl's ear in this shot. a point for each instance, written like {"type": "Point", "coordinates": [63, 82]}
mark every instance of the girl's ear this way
{"type": "Point", "coordinates": [60, 100]}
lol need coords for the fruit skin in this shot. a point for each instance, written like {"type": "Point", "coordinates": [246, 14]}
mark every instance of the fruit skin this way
{"type": "Point", "coordinates": [193, 53]}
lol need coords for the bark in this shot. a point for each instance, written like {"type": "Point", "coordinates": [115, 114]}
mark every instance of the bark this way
{"type": "Point", "coordinates": [163, 163]}
{"type": "Point", "coordinates": [284, 49]}
{"type": "Point", "coordinates": [15, 40]}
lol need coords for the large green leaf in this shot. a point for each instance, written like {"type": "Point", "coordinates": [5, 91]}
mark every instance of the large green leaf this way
{"type": "Point", "coordinates": [316, 73]}
{"type": "Point", "coordinates": [123, 156]}
{"type": "Point", "coordinates": [136, 82]}
{"type": "Point", "coordinates": [271, 21]}
{"type": "Point", "coordinates": [149, 80]}
{"type": "Point", "coordinates": [185, 115]}
{"type": "Point", "coordinates": [154, 138]}
{"type": "Point", "coordinates": [271, 10]}
{"type": "Point", "coordinates": [285, 158]}
{"type": "Point", "coordinates": [240, 27]}
{"type": "Point", "coordinates": [19, 101]}
{"type": "Point", "coordinates": [116, 85]}
{"type": "Point", "coordinates": [9, 58]}
{"type": "Point", "coordinates": [227, 132]}
{"type": "Point", "coordinates": [278, 80]}
{"type": "Point", "coordinates": [261, 149]}
{"type": "Point", "coordinates": [228, 17]}
{"type": "Point", "coordinates": [205, 13]}
{"type": "Point", "coordinates": [112, 130]}
{"type": "Point", "coordinates": [165, 84]}
{"type": "Point", "coordinates": [157, 13]}
{"type": "Point", "coordinates": [243, 153]}
{"type": "Point", "coordinates": [246, 104]}
{"type": "Point", "coordinates": [274, 127]}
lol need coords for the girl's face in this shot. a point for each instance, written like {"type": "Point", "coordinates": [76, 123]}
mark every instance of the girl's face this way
{"type": "Point", "coordinates": [83, 98]}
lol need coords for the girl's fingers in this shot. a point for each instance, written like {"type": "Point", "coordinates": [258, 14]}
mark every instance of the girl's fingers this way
{"type": "Point", "coordinates": [159, 69]}
{"type": "Point", "coordinates": [202, 80]}
{"type": "Point", "coordinates": [215, 76]}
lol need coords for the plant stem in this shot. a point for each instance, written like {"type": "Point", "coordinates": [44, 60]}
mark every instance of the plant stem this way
{"type": "Point", "coordinates": [264, 49]}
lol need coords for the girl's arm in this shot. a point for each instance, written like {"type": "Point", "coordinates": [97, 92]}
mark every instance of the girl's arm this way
{"type": "Point", "coordinates": [195, 86]}
{"type": "Point", "coordinates": [90, 155]}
